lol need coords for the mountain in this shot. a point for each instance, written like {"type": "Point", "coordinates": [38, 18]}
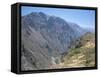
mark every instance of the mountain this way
{"type": "Point", "coordinates": [92, 30]}
{"type": "Point", "coordinates": [45, 38]}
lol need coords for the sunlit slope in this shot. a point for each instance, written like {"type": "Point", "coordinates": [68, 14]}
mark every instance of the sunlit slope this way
{"type": "Point", "coordinates": [83, 54]}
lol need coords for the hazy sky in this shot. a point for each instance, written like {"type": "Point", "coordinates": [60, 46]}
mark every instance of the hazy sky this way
{"type": "Point", "coordinates": [84, 18]}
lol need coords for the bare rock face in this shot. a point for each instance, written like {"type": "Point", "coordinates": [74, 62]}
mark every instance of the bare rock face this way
{"type": "Point", "coordinates": [44, 39]}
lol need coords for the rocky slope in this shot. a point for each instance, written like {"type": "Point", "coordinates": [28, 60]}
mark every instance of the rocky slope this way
{"type": "Point", "coordinates": [83, 54]}
{"type": "Point", "coordinates": [44, 39]}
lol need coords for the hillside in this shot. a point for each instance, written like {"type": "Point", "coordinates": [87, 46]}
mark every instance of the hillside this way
{"type": "Point", "coordinates": [83, 54]}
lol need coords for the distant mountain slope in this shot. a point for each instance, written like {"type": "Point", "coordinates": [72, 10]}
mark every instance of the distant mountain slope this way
{"type": "Point", "coordinates": [45, 38]}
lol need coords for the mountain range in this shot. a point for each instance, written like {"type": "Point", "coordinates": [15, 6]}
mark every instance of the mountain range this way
{"type": "Point", "coordinates": [45, 38]}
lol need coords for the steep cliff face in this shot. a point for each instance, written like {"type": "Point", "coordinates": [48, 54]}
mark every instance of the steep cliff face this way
{"type": "Point", "coordinates": [45, 38]}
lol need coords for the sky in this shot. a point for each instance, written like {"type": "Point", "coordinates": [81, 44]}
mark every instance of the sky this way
{"type": "Point", "coordinates": [84, 18]}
